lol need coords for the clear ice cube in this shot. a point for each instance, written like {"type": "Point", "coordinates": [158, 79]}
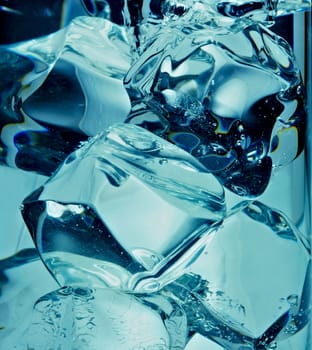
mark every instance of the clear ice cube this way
{"type": "Point", "coordinates": [233, 99]}
{"type": "Point", "coordinates": [252, 284]}
{"type": "Point", "coordinates": [58, 90]}
{"type": "Point", "coordinates": [127, 210]}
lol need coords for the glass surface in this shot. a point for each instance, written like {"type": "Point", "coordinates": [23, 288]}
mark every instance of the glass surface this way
{"type": "Point", "coordinates": [155, 175]}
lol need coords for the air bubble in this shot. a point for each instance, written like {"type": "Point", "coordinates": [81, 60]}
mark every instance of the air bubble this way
{"type": "Point", "coordinates": [272, 346]}
{"type": "Point", "coordinates": [299, 90]}
{"type": "Point", "coordinates": [65, 291]}
{"type": "Point", "coordinates": [163, 161]}
{"type": "Point", "coordinates": [292, 299]}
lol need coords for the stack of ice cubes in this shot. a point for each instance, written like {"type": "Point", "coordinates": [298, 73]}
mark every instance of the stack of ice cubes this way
{"type": "Point", "coordinates": [174, 210]}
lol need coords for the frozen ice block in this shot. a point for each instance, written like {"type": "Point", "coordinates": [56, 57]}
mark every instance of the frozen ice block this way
{"type": "Point", "coordinates": [252, 284]}
{"type": "Point", "coordinates": [234, 99]}
{"type": "Point", "coordinates": [57, 90]}
{"type": "Point", "coordinates": [127, 210]}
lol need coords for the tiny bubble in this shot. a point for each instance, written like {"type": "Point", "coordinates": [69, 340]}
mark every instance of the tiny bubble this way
{"type": "Point", "coordinates": [65, 290]}
{"type": "Point", "coordinates": [240, 127]}
{"type": "Point", "coordinates": [292, 299]}
{"type": "Point", "coordinates": [163, 161]}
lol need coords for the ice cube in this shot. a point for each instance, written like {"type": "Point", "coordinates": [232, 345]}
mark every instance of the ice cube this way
{"type": "Point", "coordinates": [55, 93]}
{"type": "Point", "coordinates": [234, 100]}
{"type": "Point", "coordinates": [252, 282]}
{"type": "Point", "coordinates": [126, 207]}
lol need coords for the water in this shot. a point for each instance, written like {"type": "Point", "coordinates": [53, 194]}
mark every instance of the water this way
{"type": "Point", "coordinates": [202, 201]}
